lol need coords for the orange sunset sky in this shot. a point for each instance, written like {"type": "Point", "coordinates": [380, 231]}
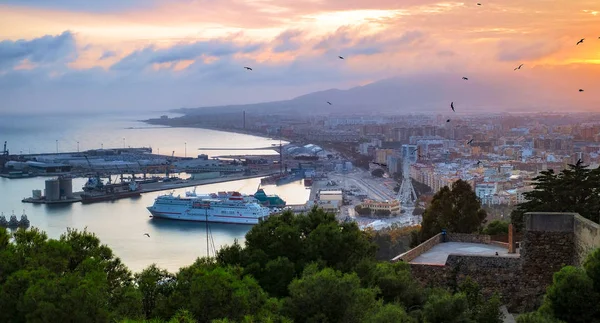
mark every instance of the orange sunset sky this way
{"type": "Point", "coordinates": [155, 54]}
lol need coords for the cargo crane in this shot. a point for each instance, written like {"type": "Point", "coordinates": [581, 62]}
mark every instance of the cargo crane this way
{"type": "Point", "coordinates": [5, 151]}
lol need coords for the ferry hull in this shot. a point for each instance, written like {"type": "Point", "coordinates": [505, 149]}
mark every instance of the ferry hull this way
{"type": "Point", "coordinates": [200, 216]}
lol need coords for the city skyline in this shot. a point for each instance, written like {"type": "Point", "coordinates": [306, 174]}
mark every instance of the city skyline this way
{"type": "Point", "coordinates": [158, 55]}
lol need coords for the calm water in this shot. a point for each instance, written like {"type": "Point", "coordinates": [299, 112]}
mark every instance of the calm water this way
{"type": "Point", "coordinates": [121, 224]}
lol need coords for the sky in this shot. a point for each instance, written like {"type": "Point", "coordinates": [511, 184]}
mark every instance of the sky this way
{"type": "Point", "coordinates": [155, 55]}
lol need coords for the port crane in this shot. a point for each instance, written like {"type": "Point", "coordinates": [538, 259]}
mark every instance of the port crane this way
{"type": "Point", "coordinates": [5, 151]}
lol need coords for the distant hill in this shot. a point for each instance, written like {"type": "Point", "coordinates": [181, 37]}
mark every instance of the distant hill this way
{"type": "Point", "coordinates": [417, 94]}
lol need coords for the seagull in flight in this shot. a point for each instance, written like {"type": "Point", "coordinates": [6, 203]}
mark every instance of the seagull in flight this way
{"type": "Point", "coordinates": [329, 102]}
{"type": "Point", "coordinates": [147, 235]}
{"type": "Point", "coordinates": [518, 68]}
{"type": "Point", "coordinates": [479, 4]}
{"type": "Point", "coordinates": [452, 106]}
{"type": "Point", "coordinates": [448, 120]}
{"type": "Point", "coordinates": [580, 41]}
{"type": "Point", "coordinates": [478, 162]}
{"type": "Point", "coordinates": [248, 68]}
{"type": "Point", "coordinates": [340, 57]}
{"type": "Point", "coordinates": [469, 142]}
{"type": "Point", "coordinates": [580, 90]}
{"type": "Point", "coordinates": [465, 78]}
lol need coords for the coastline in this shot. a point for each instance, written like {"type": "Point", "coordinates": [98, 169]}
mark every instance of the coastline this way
{"type": "Point", "coordinates": [230, 130]}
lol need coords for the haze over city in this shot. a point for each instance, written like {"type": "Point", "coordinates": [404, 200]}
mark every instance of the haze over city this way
{"type": "Point", "coordinates": [60, 56]}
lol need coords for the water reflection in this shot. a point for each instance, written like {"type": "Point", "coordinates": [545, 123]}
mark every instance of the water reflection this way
{"type": "Point", "coordinates": [165, 225]}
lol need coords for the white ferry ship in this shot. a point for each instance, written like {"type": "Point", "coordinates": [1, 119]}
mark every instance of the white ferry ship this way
{"type": "Point", "coordinates": [234, 209]}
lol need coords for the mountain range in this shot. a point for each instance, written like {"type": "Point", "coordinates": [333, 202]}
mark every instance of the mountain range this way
{"type": "Point", "coordinates": [424, 94]}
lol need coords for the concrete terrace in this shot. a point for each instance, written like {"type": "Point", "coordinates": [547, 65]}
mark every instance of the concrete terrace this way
{"type": "Point", "coordinates": [438, 254]}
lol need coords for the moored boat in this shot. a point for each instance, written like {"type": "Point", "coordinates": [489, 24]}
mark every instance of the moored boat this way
{"type": "Point", "coordinates": [205, 209]}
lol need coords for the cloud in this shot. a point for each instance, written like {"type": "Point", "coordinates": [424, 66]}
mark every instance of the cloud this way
{"type": "Point", "coordinates": [511, 51]}
{"type": "Point", "coordinates": [289, 40]}
{"type": "Point", "coordinates": [108, 54]}
{"type": "Point", "coordinates": [211, 48]}
{"type": "Point", "coordinates": [46, 49]}
{"type": "Point", "coordinates": [84, 6]}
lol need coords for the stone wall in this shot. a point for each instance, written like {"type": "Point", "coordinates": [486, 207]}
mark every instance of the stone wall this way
{"type": "Point", "coordinates": [420, 249]}
{"type": "Point", "coordinates": [550, 241]}
{"type": "Point", "coordinates": [587, 238]}
{"type": "Point", "coordinates": [466, 237]}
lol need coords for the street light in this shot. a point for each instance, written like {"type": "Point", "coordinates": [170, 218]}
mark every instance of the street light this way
{"type": "Point", "coordinates": [123, 142]}
{"type": "Point", "coordinates": [78, 146]}
{"type": "Point", "coordinates": [185, 151]}
{"type": "Point", "coordinates": [57, 146]}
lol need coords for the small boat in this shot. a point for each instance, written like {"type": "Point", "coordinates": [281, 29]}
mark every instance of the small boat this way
{"type": "Point", "coordinates": [24, 222]}
{"type": "Point", "coordinates": [13, 222]}
{"type": "Point", "coordinates": [3, 221]}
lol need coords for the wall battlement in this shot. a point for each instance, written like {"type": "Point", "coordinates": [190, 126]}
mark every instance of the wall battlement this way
{"type": "Point", "coordinates": [550, 241]}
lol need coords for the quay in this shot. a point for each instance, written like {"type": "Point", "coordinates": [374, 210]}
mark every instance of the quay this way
{"type": "Point", "coordinates": [159, 186]}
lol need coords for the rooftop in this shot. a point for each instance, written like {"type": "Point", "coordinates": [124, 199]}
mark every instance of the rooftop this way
{"type": "Point", "coordinates": [439, 253]}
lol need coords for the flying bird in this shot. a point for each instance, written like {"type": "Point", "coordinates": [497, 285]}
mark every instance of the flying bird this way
{"type": "Point", "coordinates": [465, 78]}
{"type": "Point", "coordinates": [580, 41]}
{"type": "Point", "coordinates": [147, 235]}
{"type": "Point", "coordinates": [580, 90]}
{"type": "Point", "coordinates": [248, 68]}
{"type": "Point", "coordinates": [470, 141]}
{"type": "Point", "coordinates": [479, 4]}
{"type": "Point", "coordinates": [478, 162]}
{"type": "Point", "coordinates": [448, 120]}
{"type": "Point", "coordinates": [329, 102]}
{"type": "Point", "coordinates": [518, 68]}
{"type": "Point", "coordinates": [452, 106]}
{"type": "Point", "coordinates": [340, 57]}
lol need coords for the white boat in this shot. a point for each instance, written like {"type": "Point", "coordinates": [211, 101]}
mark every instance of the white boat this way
{"type": "Point", "coordinates": [233, 209]}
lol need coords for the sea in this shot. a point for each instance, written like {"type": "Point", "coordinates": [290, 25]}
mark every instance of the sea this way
{"type": "Point", "coordinates": [122, 224]}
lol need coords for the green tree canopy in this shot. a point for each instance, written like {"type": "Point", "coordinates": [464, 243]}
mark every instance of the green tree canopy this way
{"type": "Point", "coordinates": [277, 250]}
{"type": "Point", "coordinates": [496, 227]}
{"type": "Point", "coordinates": [328, 296]}
{"type": "Point", "coordinates": [455, 209]}
{"type": "Point", "coordinates": [572, 297]}
{"type": "Point", "coordinates": [574, 189]}
{"type": "Point", "coordinates": [73, 279]}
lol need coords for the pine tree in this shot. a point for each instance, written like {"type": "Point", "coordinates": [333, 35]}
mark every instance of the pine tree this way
{"type": "Point", "coordinates": [457, 210]}
{"type": "Point", "coordinates": [574, 189]}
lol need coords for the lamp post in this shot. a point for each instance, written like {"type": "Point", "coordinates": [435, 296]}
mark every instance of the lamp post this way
{"type": "Point", "coordinates": [185, 149]}
{"type": "Point", "coordinates": [57, 146]}
{"type": "Point", "coordinates": [78, 146]}
{"type": "Point", "coordinates": [123, 142]}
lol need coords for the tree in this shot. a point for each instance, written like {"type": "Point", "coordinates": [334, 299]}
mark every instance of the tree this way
{"type": "Point", "coordinates": [457, 210]}
{"type": "Point", "coordinates": [574, 189]}
{"type": "Point", "coordinates": [378, 172]}
{"type": "Point", "coordinates": [212, 292]}
{"type": "Point", "coordinates": [572, 297]}
{"type": "Point", "coordinates": [71, 279]}
{"type": "Point", "coordinates": [156, 285]}
{"type": "Point", "coordinates": [393, 282]}
{"type": "Point", "coordinates": [496, 227]}
{"type": "Point", "coordinates": [481, 309]}
{"type": "Point", "coordinates": [277, 250]}
{"type": "Point", "coordinates": [389, 313]}
{"type": "Point", "coordinates": [592, 268]}
{"type": "Point", "coordinates": [328, 296]}
{"type": "Point", "coordinates": [442, 307]}
{"type": "Point", "coordinates": [536, 317]}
